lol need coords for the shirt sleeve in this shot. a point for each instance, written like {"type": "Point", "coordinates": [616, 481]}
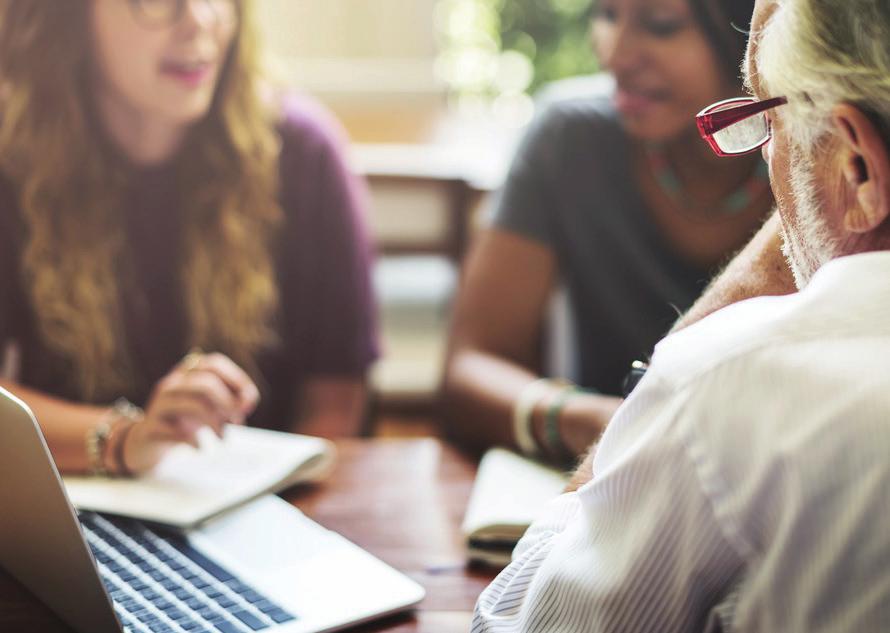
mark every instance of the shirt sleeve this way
{"type": "Point", "coordinates": [522, 204]}
{"type": "Point", "coordinates": [343, 320]}
{"type": "Point", "coordinates": [636, 549]}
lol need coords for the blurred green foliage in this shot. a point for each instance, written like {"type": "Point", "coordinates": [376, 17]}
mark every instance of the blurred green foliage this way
{"type": "Point", "coordinates": [553, 34]}
{"type": "Point", "coordinates": [495, 53]}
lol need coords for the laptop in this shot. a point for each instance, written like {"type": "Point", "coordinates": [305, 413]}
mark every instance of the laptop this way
{"type": "Point", "coordinates": [263, 567]}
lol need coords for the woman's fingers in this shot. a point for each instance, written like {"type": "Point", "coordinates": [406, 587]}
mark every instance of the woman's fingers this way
{"type": "Point", "coordinates": [179, 416]}
{"type": "Point", "coordinates": [203, 390]}
{"type": "Point", "coordinates": [196, 395]}
{"type": "Point", "coordinates": [234, 378]}
{"type": "Point", "coordinates": [209, 389]}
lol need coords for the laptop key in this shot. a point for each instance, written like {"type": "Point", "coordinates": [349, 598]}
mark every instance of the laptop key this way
{"type": "Point", "coordinates": [225, 602]}
{"type": "Point", "coordinates": [280, 616]}
{"type": "Point", "coordinates": [157, 575]}
{"type": "Point", "coordinates": [138, 585]}
{"type": "Point", "coordinates": [208, 613]}
{"type": "Point", "coordinates": [250, 620]}
{"type": "Point", "coordinates": [230, 627]}
{"type": "Point", "coordinates": [176, 614]}
{"type": "Point", "coordinates": [138, 613]}
{"type": "Point", "coordinates": [251, 596]}
{"type": "Point", "coordinates": [202, 561]}
{"type": "Point", "coordinates": [265, 606]}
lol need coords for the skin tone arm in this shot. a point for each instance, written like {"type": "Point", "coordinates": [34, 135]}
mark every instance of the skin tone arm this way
{"type": "Point", "coordinates": [332, 407]}
{"type": "Point", "coordinates": [211, 393]}
{"type": "Point", "coordinates": [760, 269]}
{"type": "Point", "coordinates": [506, 286]}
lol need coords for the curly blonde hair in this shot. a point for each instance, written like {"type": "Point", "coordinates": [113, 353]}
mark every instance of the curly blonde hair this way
{"type": "Point", "coordinates": [69, 189]}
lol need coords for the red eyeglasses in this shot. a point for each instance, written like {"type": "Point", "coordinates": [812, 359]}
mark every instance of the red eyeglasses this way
{"type": "Point", "coordinates": [737, 126]}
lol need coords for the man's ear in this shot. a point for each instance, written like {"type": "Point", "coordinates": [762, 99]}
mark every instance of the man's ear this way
{"type": "Point", "coordinates": [866, 168]}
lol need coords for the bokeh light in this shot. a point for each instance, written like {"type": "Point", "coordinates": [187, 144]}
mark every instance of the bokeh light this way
{"type": "Point", "coordinates": [496, 53]}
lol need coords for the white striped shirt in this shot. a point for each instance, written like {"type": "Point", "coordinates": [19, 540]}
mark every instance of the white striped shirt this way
{"type": "Point", "coordinates": [744, 486]}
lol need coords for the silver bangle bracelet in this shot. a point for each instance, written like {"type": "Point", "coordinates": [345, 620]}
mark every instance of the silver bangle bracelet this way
{"type": "Point", "coordinates": [528, 399]}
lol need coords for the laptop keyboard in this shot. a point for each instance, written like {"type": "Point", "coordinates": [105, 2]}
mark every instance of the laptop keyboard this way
{"type": "Point", "coordinates": [161, 583]}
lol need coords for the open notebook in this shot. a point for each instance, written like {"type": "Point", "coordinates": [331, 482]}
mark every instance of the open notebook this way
{"type": "Point", "coordinates": [191, 486]}
{"type": "Point", "coordinates": [509, 493]}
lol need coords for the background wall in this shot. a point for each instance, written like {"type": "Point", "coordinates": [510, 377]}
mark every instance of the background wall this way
{"type": "Point", "coordinates": [371, 61]}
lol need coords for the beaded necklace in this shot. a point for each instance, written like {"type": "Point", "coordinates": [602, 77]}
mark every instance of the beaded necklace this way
{"type": "Point", "coordinates": [732, 204]}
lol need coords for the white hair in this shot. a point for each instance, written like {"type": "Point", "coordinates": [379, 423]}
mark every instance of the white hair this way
{"type": "Point", "coordinates": [809, 243]}
{"type": "Point", "coordinates": [820, 53]}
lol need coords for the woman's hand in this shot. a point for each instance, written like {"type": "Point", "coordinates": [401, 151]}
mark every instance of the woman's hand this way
{"type": "Point", "coordinates": [202, 390]}
{"type": "Point", "coordinates": [584, 418]}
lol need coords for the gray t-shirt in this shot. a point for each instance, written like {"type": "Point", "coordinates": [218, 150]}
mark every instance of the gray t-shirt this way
{"type": "Point", "coordinates": [570, 187]}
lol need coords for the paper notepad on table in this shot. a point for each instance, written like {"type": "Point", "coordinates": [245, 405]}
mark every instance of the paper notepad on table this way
{"type": "Point", "coordinates": [191, 486]}
{"type": "Point", "coordinates": [509, 493]}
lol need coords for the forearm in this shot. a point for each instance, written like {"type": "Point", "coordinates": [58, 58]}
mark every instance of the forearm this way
{"type": "Point", "coordinates": [481, 392]}
{"type": "Point", "coordinates": [65, 425]}
{"type": "Point", "coordinates": [759, 269]}
{"type": "Point", "coordinates": [478, 397]}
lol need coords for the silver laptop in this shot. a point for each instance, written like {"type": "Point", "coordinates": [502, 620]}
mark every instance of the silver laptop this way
{"type": "Point", "coordinates": [264, 567]}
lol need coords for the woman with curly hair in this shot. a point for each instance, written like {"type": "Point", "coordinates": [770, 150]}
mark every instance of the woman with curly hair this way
{"type": "Point", "coordinates": [156, 198]}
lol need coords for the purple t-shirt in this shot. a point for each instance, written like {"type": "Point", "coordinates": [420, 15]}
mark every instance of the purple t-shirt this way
{"type": "Point", "coordinates": [327, 318]}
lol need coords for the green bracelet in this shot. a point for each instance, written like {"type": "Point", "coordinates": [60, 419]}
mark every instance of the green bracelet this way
{"type": "Point", "coordinates": [552, 438]}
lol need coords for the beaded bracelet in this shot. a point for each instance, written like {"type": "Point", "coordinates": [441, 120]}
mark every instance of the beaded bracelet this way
{"type": "Point", "coordinates": [97, 438]}
{"type": "Point", "coordinates": [96, 443]}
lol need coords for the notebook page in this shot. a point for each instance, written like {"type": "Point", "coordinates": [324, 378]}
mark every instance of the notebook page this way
{"type": "Point", "coordinates": [190, 486]}
{"type": "Point", "coordinates": [508, 494]}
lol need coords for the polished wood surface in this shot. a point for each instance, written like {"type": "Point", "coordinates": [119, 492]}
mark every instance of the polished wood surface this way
{"type": "Point", "coordinates": [400, 499]}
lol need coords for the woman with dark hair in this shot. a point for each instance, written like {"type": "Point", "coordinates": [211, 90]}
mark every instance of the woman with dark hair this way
{"type": "Point", "coordinates": [614, 197]}
{"type": "Point", "coordinates": [156, 197]}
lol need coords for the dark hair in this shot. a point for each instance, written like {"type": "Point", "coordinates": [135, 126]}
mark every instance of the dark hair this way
{"type": "Point", "coordinates": [725, 23]}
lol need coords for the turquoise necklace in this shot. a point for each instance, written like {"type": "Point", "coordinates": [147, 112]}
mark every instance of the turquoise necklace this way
{"type": "Point", "coordinates": [732, 204]}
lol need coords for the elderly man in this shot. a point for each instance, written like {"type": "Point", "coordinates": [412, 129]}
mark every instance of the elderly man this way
{"type": "Point", "coordinates": [745, 485]}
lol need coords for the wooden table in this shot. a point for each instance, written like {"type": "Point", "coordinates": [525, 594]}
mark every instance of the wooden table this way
{"type": "Point", "coordinates": [400, 499]}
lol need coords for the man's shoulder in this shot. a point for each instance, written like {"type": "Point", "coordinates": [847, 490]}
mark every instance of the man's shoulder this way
{"type": "Point", "coordinates": [799, 380]}
{"type": "Point", "coordinates": [731, 336]}
{"type": "Point", "coordinates": [847, 301]}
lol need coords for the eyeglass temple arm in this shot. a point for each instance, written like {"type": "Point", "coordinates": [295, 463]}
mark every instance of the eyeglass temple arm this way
{"type": "Point", "coordinates": [713, 122]}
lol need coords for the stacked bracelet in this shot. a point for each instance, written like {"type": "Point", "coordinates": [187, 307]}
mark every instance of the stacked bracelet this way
{"type": "Point", "coordinates": [531, 394]}
{"type": "Point", "coordinates": [121, 412]}
{"type": "Point", "coordinates": [96, 443]}
{"type": "Point", "coordinates": [552, 437]}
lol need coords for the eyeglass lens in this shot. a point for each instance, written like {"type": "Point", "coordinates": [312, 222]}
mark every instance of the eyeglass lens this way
{"type": "Point", "coordinates": [744, 135]}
